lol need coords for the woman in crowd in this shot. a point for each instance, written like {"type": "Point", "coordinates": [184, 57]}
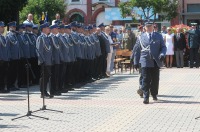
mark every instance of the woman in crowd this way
{"type": "Point", "coordinates": [169, 41]}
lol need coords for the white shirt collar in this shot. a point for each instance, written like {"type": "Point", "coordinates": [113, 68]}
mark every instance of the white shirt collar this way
{"type": "Point", "coordinates": [149, 33]}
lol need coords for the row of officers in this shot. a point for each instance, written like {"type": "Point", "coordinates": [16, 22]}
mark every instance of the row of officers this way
{"type": "Point", "coordinates": [68, 56]}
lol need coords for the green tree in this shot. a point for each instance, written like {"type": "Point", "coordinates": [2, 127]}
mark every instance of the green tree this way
{"type": "Point", "coordinates": [36, 7]}
{"type": "Point", "coordinates": [9, 9]}
{"type": "Point", "coordinates": [167, 9]}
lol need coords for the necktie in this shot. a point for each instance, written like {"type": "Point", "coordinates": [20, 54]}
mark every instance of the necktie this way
{"type": "Point", "coordinates": [3, 39]}
{"type": "Point", "coordinates": [150, 37]}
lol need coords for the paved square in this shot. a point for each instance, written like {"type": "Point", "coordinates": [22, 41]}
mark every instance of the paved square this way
{"type": "Point", "coordinates": [111, 105]}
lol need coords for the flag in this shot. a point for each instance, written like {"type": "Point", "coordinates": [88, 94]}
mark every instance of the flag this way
{"type": "Point", "coordinates": [43, 16]}
{"type": "Point", "coordinates": [46, 18]}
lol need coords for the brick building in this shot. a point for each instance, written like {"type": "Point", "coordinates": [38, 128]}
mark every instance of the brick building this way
{"type": "Point", "coordinates": [189, 12]}
{"type": "Point", "coordinates": [90, 11]}
{"type": "Point", "coordinates": [96, 11]}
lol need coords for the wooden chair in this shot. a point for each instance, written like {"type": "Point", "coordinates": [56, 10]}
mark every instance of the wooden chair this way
{"type": "Point", "coordinates": [118, 59]}
{"type": "Point", "coordinates": [127, 62]}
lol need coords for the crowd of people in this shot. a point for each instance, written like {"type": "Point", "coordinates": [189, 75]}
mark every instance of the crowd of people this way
{"type": "Point", "coordinates": [65, 56]}
{"type": "Point", "coordinates": [183, 46]}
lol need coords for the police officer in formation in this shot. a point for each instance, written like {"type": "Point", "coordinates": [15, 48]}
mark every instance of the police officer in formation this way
{"type": "Point", "coordinates": [14, 57]}
{"type": "Point", "coordinates": [4, 58]}
{"type": "Point", "coordinates": [69, 56]}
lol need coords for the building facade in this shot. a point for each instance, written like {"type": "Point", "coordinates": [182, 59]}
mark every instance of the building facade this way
{"type": "Point", "coordinates": [189, 12]}
{"type": "Point", "coordinates": [89, 11]}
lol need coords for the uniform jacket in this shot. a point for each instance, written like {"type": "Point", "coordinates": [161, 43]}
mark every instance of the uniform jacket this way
{"type": "Point", "coordinates": [57, 55]}
{"type": "Point", "coordinates": [194, 38]}
{"type": "Point", "coordinates": [72, 54]}
{"type": "Point", "coordinates": [151, 50]}
{"type": "Point", "coordinates": [64, 48]}
{"type": "Point", "coordinates": [24, 45]}
{"type": "Point", "coordinates": [44, 51]}
{"type": "Point", "coordinates": [4, 49]}
{"type": "Point", "coordinates": [75, 38]}
{"type": "Point", "coordinates": [13, 44]}
{"type": "Point", "coordinates": [32, 38]}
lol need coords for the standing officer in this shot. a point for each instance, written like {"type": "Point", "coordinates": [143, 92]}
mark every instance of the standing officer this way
{"type": "Point", "coordinates": [32, 35]}
{"type": "Point", "coordinates": [64, 48]}
{"type": "Point", "coordinates": [4, 58]}
{"type": "Point", "coordinates": [194, 42]}
{"type": "Point", "coordinates": [15, 56]}
{"type": "Point", "coordinates": [57, 58]}
{"type": "Point", "coordinates": [45, 58]}
{"type": "Point", "coordinates": [149, 51]}
{"type": "Point", "coordinates": [77, 48]}
{"type": "Point", "coordinates": [25, 55]}
{"type": "Point", "coordinates": [98, 51]}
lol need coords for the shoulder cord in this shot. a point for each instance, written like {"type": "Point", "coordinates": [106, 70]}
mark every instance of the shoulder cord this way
{"type": "Point", "coordinates": [45, 47]}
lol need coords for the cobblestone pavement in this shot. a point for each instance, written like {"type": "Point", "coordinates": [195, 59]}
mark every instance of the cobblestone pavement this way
{"type": "Point", "coordinates": [111, 105]}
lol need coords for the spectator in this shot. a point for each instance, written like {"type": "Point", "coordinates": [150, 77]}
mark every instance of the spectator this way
{"type": "Point", "coordinates": [155, 28]}
{"type": "Point", "coordinates": [113, 35]}
{"type": "Point", "coordinates": [169, 42]}
{"type": "Point", "coordinates": [193, 43]}
{"type": "Point", "coordinates": [131, 40]}
{"type": "Point", "coordinates": [57, 19]}
{"type": "Point", "coordinates": [179, 47]}
{"type": "Point", "coordinates": [124, 37]}
{"type": "Point", "coordinates": [29, 19]}
{"type": "Point", "coordinates": [109, 57]}
{"type": "Point", "coordinates": [140, 30]}
{"type": "Point", "coordinates": [120, 35]}
{"type": "Point", "coordinates": [163, 31]}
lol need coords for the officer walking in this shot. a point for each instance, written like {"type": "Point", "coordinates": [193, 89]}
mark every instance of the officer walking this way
{"type": "Point", "coordinates": [4, 59]}
{"type": "Point", "coordinates": [150, 51]}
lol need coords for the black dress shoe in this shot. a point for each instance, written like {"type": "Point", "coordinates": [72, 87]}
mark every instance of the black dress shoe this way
{"type": "Point", "coordinates": [140, 92]}
{"type": "Point", "coordinates": [146, 101]}
{"type": "Point", "coordinates": [51, 96]}
{"type": "Point", "coordinates": [56, 94]}
{"type": "Point", "coordinates": [155, 98]}
{"type": "Point", "coordinates": [14, 89]}
{"type": "Point", "coordinates": [64, 91]}
{"type": "Point", "coordinates": [5, 91]}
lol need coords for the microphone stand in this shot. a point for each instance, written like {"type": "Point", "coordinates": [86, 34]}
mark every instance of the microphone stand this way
{"type": "Point", "coordinates": [44, 107]}
{"type": "Point", "coordinates": [28, 67]}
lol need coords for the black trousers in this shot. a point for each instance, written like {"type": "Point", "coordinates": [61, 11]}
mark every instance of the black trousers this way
{"type": "Point", "coordinates": [69, 77]}
{"type": "Point", "coordinates": [150, 80]}
{"type": "Point", "coordinates": [45, 78]}
{"type": "Point", "coordinates": [55, 78]}
{"type": "Point", "coordinates": [98, 66]}
{"type": "Point", "coordinates": [77, 70]}
{"type": "Point", "coordinates": [36, 69]}
{"type": "Point", "coordinates": [3, 74]}
{"type": "Point", "coordinates": [194, 57]}
{"type": "Point", "coordinates": [63, 75]}
{"type": "Point", "coordinates": [12, 73]}
{"type": "Point", "coordinates": [22, 75]}
{"type": "Point", "coordinates": [103, 63]}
